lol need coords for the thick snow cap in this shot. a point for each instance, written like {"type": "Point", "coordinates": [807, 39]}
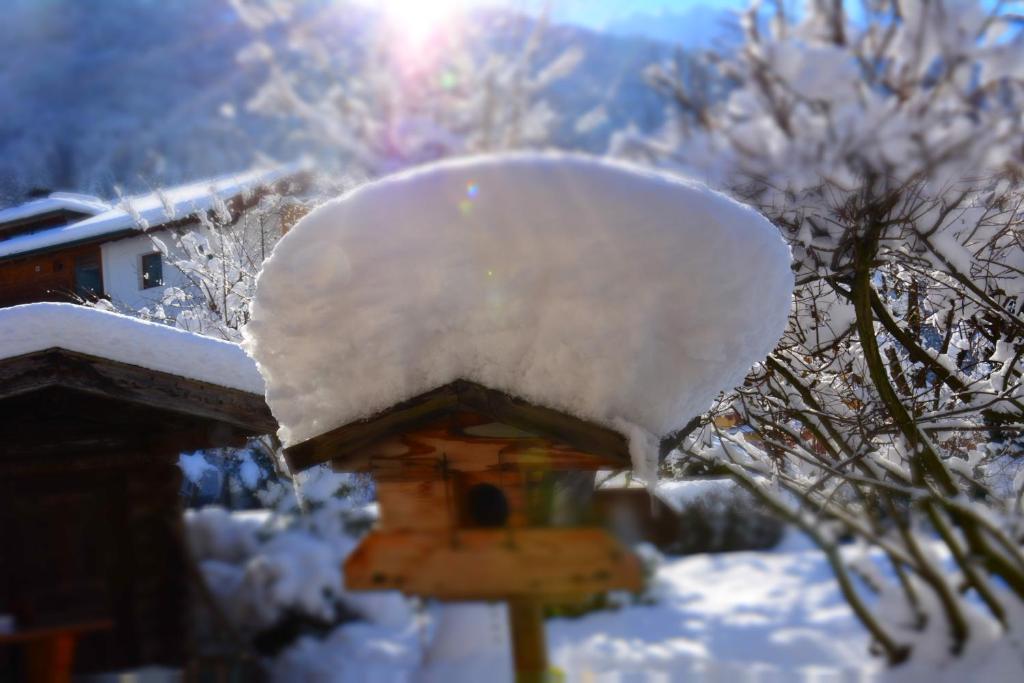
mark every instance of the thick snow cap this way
{"type": "Point", "coordinates": [616, 294]}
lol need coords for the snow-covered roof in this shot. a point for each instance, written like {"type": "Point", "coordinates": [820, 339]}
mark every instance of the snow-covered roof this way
{"type": "Point", "coordinates": [57, 201]}
{"type": "Point", "coordinates": [37, 327]}
{"type": "Point", "coordinates": [145, 211]}
{"type": "Point", "coordinates": [615, 294]}
{"type": "Point", "coordinates": [675, 493]}
{"type": "Point", "coordinates": [679, 494]}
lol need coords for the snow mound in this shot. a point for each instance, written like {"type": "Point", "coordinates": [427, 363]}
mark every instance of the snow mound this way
{"type": "Point", "coordinates": [36, 327]}
{"type": "Point", "coordinates": [616, 294]}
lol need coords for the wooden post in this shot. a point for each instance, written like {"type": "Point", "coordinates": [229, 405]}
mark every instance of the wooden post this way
{"type": "Point", "coordinates": [49, 652]}
{"type": "Point", "coordinates": [529, 647]}
{"type": "Point", "coordinates": [49, 660]}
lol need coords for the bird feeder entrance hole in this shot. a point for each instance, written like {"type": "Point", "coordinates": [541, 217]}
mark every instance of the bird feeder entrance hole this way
{"type": "Point", "coordinates": [482, 496]}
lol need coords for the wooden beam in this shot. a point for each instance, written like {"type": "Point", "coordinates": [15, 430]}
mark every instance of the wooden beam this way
{"type": "Point", "coordinates": [489, 564]}
{"type": "Point", "coordinates": [345, 443]}
{"type": "Point", "coordinates": [72, 244]}
{"type": "Point", "coordinates": [54, 423]}
{"type": "Point", "coordinates": [529, 645]}
{"type": "Point", "coordinates": [134, 384]}
{"type": "Point", "coordinates": [424, 452]}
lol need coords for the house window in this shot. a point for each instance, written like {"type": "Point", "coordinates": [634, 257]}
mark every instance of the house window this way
{"type": "Point", "coordinates": [152, 270]}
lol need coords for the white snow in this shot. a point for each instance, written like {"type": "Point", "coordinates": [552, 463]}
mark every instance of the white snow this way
{"type": "Point", "coordinates": [194, 466]}
{"type": "Point", "coordinates": [679, 494]}
{"type": "Point", "coordinates": [249, 472]}
{"type": "Point", "coordinates": [36, 327]}
{"type": "Point", "coordinates": [758, 616]}
{"type": "Point", "coordinates": [55, 201]}
{"type": "Point", "coordinates": [216, 535]}
{"type": "Point", "coordinates": [766, 617]}
{"type": "Point", "coordinates": [620, 295]}
{"type": "Point", "coordinates": [142, 212]}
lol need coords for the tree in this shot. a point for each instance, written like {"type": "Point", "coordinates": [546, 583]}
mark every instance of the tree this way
{"type": "Point", "coordinates": [887, 147]}
{"type": "Point", "coordinates": [379, 105]}
{"type": "Point", "coordinates": [219, 257]}
{"type": "Point", "coordinates": [219, 260]}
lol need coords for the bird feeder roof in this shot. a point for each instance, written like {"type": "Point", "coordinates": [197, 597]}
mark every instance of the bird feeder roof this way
{"type": "Point", "coordinates": [348, 446]}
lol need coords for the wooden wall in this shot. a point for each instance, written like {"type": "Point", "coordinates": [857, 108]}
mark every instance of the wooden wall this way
{"type": "Point", "coordinates": [101, 543]}
{"type": "Point", "coordinates": [46, 277]}
{"type": "Point", "coordinates": [91, 524]}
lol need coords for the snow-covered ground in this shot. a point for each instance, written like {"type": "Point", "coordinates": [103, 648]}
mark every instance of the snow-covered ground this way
{"type": "Point", "coordinates": [753, 617]}
{"type": "Point", "coordinates": [750, 616]}
{"type": "Point", "coordinates": [757, 617]}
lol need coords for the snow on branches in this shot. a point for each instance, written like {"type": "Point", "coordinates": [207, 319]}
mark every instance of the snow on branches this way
{"type": "Point", "coordinates": [381, 104]}
{"type": "Point", "coordinates": [888, 149]}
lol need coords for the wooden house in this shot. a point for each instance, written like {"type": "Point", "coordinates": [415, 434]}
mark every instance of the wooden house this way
{"type": "Point", "coordinates": [65, 246]}
{"type": "Point", "coordinates": [90, 515]}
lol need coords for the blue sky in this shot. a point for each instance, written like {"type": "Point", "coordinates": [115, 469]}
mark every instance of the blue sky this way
{"type": "Point", "coordinates": [598, 13]}
{"type": "Point", "coordinates": [642, 16]}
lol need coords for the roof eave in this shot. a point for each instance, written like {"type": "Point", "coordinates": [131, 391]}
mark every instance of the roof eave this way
{"type": "Point", "coordinates": [92, 239]}
{"type": "Point", "coordinates": [344, 443]}
{"type": "Point", "coordinates": [240, 410]}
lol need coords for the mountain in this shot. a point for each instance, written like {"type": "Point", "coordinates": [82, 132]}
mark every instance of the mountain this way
{"type": "Point", "coordinates": [131, 94]}
{"type": "Point", "coordinates": [125, 92]}
{"type": "Point", "coordinates": [698, 28]}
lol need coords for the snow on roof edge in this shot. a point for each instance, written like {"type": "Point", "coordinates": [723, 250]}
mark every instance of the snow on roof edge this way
{"type": "Point", "coordinates": [31, 328]}
{"type": "Point", "coordinates": [677, 494]}
{"type": "Point", "coordinates": [148, 211]}
{"type": "Point", "coordinates": [55, 201]}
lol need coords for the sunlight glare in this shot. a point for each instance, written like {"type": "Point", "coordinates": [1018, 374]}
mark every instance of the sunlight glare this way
{"type": "Point", "coordinates": [420, 20]}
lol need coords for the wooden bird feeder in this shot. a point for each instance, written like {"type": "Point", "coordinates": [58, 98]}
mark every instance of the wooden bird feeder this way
{"type": "Point", "coordinates": [481, 497]}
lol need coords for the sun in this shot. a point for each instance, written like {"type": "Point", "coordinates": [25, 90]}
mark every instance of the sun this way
{"type": "Point", "coordinates": [418, 21]}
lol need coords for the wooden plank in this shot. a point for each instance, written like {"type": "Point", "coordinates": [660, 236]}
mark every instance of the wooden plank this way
{"type": "Point", "coordinates": [486, 564]}
{"type": "Point", "coordinates": [49, 277]}
{"type": "Point", "coordinates": [426, 505]}
{"type": "Point", "coordinates": [347, 446]}
{"type": "Point", "coordinates": [55, 425]}
{"type": "Point", "coordinates": [465, 452]}
{"type": "Point", "coordinates": [464, 440]}
{"type": "Point", "coordinates": [63, 249]}
{"type": "Point", "coordinates": [100, 545]}
{"type": "Point", "coordinates": [131, 383]}
{"type": "Point", "coordinates": [24, 635]}
{"type": "Point", "coordinates": [54, 218]}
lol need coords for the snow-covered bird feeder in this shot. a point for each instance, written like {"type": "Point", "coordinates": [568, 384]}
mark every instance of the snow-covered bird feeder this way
{"type": "Point", "coordinates": [473, 498]}
{"type": "Point", "coordinates": [482, 334]}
